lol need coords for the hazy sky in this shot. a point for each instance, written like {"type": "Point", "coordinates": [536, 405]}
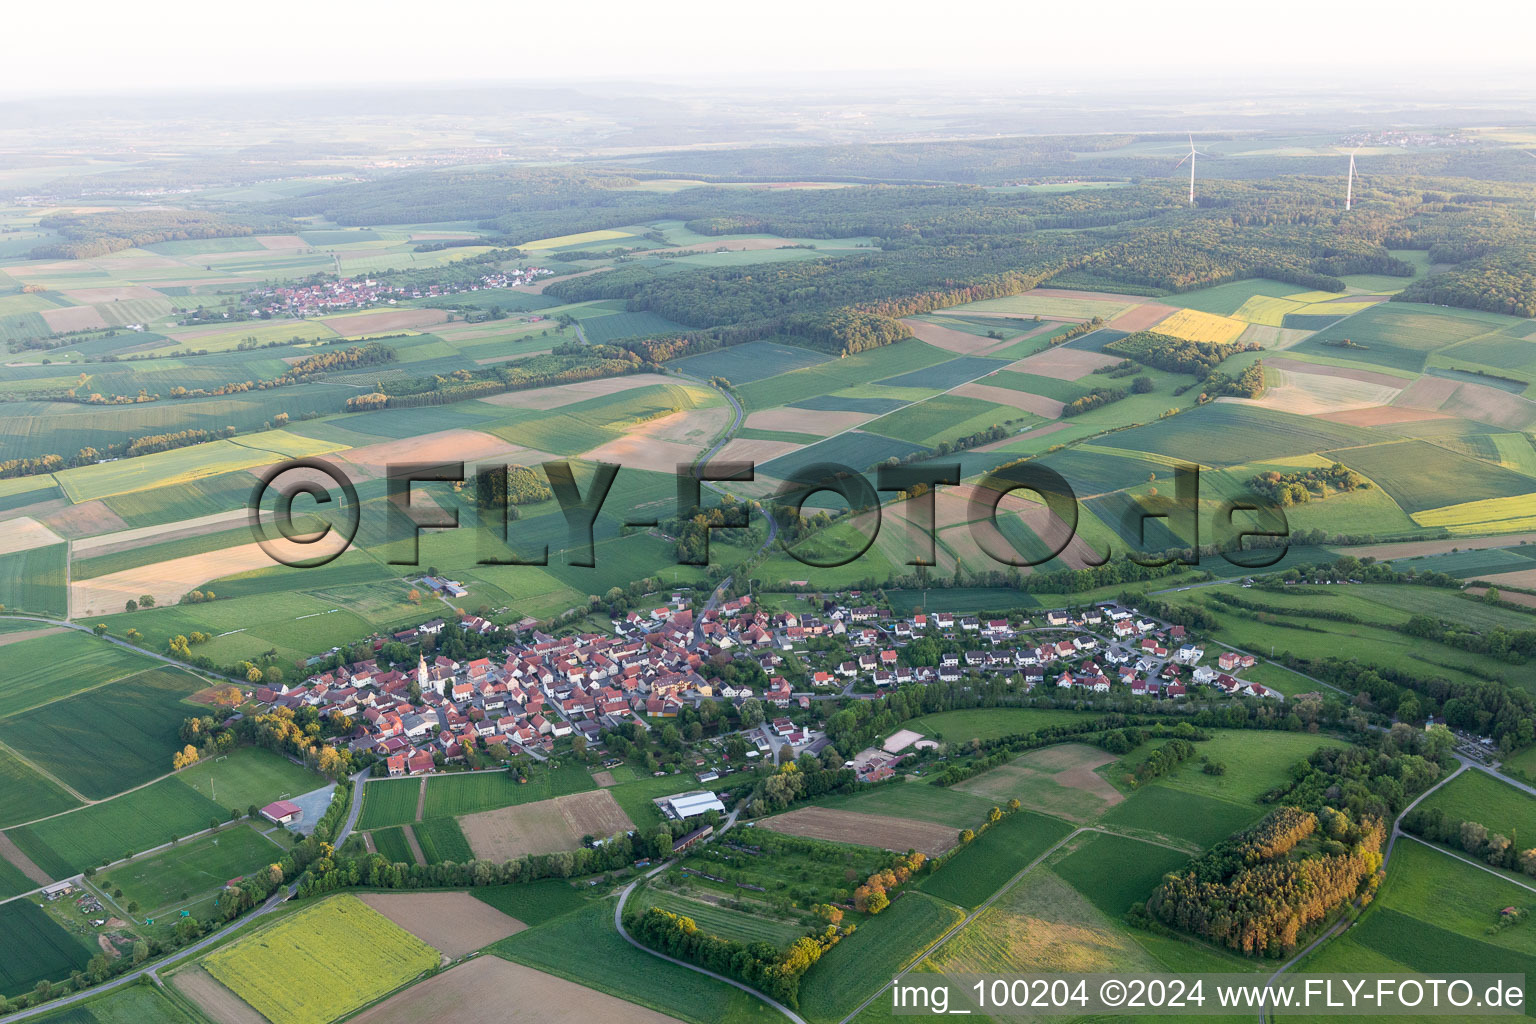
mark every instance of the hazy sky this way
{"type": "Point", "coordinates": [168, 45]}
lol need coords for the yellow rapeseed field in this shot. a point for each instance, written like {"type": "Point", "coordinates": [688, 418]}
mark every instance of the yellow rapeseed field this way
{"type": "Point", "coordinates": [1263, 309]}
{"type": "Point", "coordinates": [1491, 515]}
{"type": "Point", "coordinates": [576, 239]}
{"type": "Point", "coordinates": [1193, 325]}
{"type": "Point", "coordinates": [321, 963]}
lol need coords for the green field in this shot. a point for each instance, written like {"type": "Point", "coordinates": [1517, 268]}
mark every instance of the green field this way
{"type": "Point", "coordinates": [609, 964]}
{"type": "Point", "coordinates": [854, 449]}
{"type": "Point", "coordinates": [250, 775]}
{"type": "Point", "coordinates": [452, 795]}
{"type": "Point", "coordinates": [1256, 762]}
{"type": "Point", "coordinates": [872, 955]}
{"type": "Point", "coordinates": [48, 668]}
{"type": "Point", "coordinates": [989, 723]}
{"type": "Point", "coordinates": [186, 873]}
{"type": "Point", "coordinates": [168, 502]}
{"type": "Point", "coordinates": [985, 865]}
{"type": "Point", "coordinates": [108, 831]}
{"type": "Point", "coordinates": [742, 364]}
{"type": "Point", "coordinates": [389, 802]}
{"type": "Point", "coordinates": [942, 417]}
{"type": "Point", "coordinates": [26, 795]}
{"type": "Point", "coordinates": [1421, 476]}
{"type": "Point", "coordinates": [1113, 871]}
{"type": "Point", "coordinates": [532, 903]}
{"type": "Point", "coordinates": [127, 1004]}
{"type": "Point", "coordinates": [111, 738]}
{"type": "Point", "coordinates": [635, 796]}
{"type": "Point", "coordinates": [33, 580]}
{"type": "Point", "coordinates": [391, 842]}
{"type": "Point", "coordinates": [1401, 335]}
{"type": "Point", "coordinates": [1224, 434]}
{"type": "Point", "coordinates": [1478, 796]}
{"type": "Point", "coordinates": [441, 840]}
{"type": "Point", "coordinates": [35, 947]}
{"type": "Point", "coordinates": [1170, 812]}
{"type": "Point", "coordinates": [799, 385]}
{"type": "Point", "coordinates": [1430, 917]}
{"type": "Point", "coordinates": [12, 881]}
{"type": "Point", "coordinates": [182, 465]}
{"type": "Point", "coordinates": [916, 799]}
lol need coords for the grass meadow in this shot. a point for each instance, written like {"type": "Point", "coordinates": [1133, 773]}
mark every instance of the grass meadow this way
{"type": "Point", "coordinates": [109, 739]}
{"type": "Point", "coordinates": [984, 865]}
{"type": "Point", "coordinates": [109, 831]}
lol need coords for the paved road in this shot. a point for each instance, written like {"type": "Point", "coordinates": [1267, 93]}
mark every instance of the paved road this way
{"type": "Point", "coordinates": [618, 923]}
{"type": "Point", "coordinates": [274, 901]}
{"type": "Point", "coordinates": [1344, 922]}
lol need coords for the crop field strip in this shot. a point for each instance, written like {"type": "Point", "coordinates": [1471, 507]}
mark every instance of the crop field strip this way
{"type": "Point", "coordinates": [108, 831]}
{"type": "Point", "coordinates": [37, 948]}
{"type": "Point", "coordinates": [322, 962]}
{"type": "Point", "coordinates": [110, 738]}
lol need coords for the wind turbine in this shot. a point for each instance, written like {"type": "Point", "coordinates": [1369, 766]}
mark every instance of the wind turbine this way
{"type": "Point", "coordinates": [1191, 158]}
{"type": "Point", "coordinates": [1349, 193]}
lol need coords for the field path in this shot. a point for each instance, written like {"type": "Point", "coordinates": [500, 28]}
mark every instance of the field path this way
{"type": "Point", "coordinates": [410, 840]}
{"type": "Point", "coordinates": [45, 773]}
{"type": "Point", "coordinates": [11, 852]}
{"type": "Point", "coordinates": [421, 798]}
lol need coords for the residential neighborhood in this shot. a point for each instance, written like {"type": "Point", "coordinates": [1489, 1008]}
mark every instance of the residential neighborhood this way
{"type": "Point", "coordinates": [539, 689]}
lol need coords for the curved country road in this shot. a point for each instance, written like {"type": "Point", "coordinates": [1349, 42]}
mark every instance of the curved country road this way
{"type": "Point", "coordinates": [274, 901]}
{"type": "Point", "coordinates": [618, 923]}
{"type": "Point", "coordinates": [1344, 922]}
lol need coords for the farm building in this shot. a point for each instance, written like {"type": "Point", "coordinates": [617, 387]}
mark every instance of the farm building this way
{"type": "Point", "coordinates": [282, 812]}
{"type": "Point", "coordinates": [690, 805]}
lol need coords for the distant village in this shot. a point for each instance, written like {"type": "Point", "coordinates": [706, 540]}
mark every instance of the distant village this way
{"type": "Point", "coordinates": [302, 300]}
{"type": "Point", "coordinates": [541, 689]}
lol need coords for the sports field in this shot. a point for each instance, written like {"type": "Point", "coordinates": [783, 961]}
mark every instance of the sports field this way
{"type": "Point", "coordinates": [250, 775]}
{"type": "Point", "coordinates": [171, 879]}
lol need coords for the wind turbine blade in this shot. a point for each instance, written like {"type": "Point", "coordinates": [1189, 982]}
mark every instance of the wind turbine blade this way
{"type": "Point", "coordinates": [1181, 162]}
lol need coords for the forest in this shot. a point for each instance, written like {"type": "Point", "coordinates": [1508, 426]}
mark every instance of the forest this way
{"type": "Point", "coordinates": [1177, 355]}
{"type": "Point", "coordinates": [1256, 891]}
{"type": "Point", "coordinates": [942, 243]}
{"type": "Point", "coordinates": [97, 234]}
